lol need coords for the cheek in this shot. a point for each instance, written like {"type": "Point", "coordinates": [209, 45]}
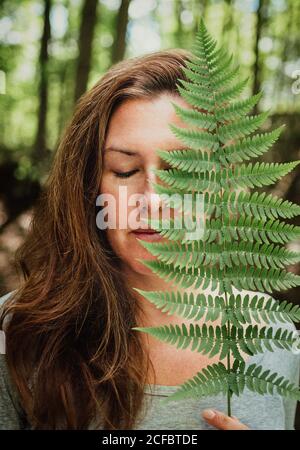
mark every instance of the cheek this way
{"type": "Point", "coordinates": [114, 235]}
{"type": "Point", "coordinates": [113, 206]}
{"type": "Point", "coordinates": [119, 207]}
{"type": "Point", "coordinates": [107, 186]}
{"type": "Point", "coordinates": [117, 240]}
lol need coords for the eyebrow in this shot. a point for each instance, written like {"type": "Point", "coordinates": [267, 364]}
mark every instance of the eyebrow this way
{"type": "Point", "coordinates": [133, 153]}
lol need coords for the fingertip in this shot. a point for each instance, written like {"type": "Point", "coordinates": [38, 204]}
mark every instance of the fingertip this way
{"type": "Point", "coordinates": [208, 414]}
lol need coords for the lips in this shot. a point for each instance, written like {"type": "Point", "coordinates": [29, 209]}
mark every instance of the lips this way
{"type": "Point", "coordinates": [147, 234]}
{"type": "Point", "coordinates": [144, 231]}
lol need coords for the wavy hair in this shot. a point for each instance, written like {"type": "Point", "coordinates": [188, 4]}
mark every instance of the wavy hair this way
{"type": "Point", "coordinates": [70, 350]}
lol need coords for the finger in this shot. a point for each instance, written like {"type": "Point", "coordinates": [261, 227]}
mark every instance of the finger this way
{"type": "Point", "coordinates": [222, 421]}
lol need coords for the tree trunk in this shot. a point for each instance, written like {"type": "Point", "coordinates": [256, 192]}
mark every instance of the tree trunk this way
{"type": "Point", "coordinates": [286, 53]}
{"type": "Point", "coordinates": [228, 26]}
{"type": "Point", "coordinates": [256, 69]}
{"type": "Point", "coordinates": [119, 45]}
{"type": "Point", "coordinates": [86, 34]}
{"type": "Point", "coordinates": [179, 31]}
{"type": "Point", "coordinates": [39, 150]}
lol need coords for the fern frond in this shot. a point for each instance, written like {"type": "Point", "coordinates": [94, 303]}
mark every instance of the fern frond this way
{"type": "Point", "coordinates": [212, 380]}
{"type": "Point", "coordinates": [202, 277]}
{"type": "Point", "coordinates": [261, 205]}
{"type": "Point", "coordinates": [197, 118]}
{"type": "Point", "coordinates": [224, 65]}
{"type": "Point", "coordinates": [176, 198]}
{"type": "Point", "coordinates": [263, 279]}
{"type": "Point", "coordinates": [188, 306]}
{"type": "Point", "coordinates": [211, 341]}
{"type": "Point", "coordinates": [190, 160]}
{"type": "Point", "coordinates": [243, 228]}
{"type": "Point", "coordinates": [240, 309]}
{"type": "Point", "coordinates": [195, 139]}
{"type": "Point", "coordinates": [262, 309]}
{"type": "Point", "coordinates": [241, 127]}
{"type": "Point", "coordinates": [250, 229]}
{"type": "Point", "coordinates": [242, 277]}
{"type": "Point", "coordinates": [215, 379]}
{"type": "Point", "coordinates": [223, 80]}
{"type": "Point", "coordinates": [253, 146]}
{"type": "Point", "coordinates": [198, 182]}
{"type": "Point", "coordinates": [198, 253]}
{"type": "Point", "coordinates": [195, 99]}
{"type": "Point", "coordinates": [236, 110]}
{"type": "Point", "coordinates": [231, 92]}
{"type": "Point", "coordinates": [259, 174]}
{"type": "Point", "coordinates": [258, 340]}
{"type": "Point", "coordinates": [265, 382]}
{"type": "Point", "coordinates": [203, 339]}
{"type": "Point", "coordinates": [196, 77]}
{"type": "Point", "coordinates": [240, 242]}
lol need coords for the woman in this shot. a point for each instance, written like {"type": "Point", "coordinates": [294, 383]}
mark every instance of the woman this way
{"type": "Point", "coordinates": [72, 359]}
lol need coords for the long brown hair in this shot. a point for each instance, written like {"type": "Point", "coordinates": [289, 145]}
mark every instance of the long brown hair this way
{"type": "Point", "coordinates": [70, 350]}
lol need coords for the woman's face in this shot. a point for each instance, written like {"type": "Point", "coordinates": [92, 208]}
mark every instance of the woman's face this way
{"type": "Point", "coordinates": [136, 130]}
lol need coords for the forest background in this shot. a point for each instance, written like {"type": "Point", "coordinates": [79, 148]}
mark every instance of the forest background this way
{"type": "Point", "coordinates": [52, 51]}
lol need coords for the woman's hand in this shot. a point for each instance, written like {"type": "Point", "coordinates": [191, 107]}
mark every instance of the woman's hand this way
{"type": "Point", "coordinates": [221, 421]}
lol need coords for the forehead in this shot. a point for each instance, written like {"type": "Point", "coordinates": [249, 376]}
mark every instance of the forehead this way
{"type": "Point", "coordinates": [142, 124]}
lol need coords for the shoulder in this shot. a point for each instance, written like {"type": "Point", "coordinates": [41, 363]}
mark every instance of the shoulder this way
{"type": "Point", "coordinates": [12, 416]}
{"type": "Point", "coordinates": [6, 297]}
{"type": "Point", "coordinates": [11, 412]}
{"type": "Point", "coordinates": [9, 409]}
{"type": "Point", "coordinates": [3, 299]}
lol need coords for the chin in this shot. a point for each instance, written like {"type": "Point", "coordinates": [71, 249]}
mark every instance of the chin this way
{"type": "Point", "coordinates": [141, 269]}
{"type": "Point", "coordinates": [129, 250]}
{"type": "Point", "coordinates": [131, 262]}
{"type": "Point", "coordinates": [138, 266]}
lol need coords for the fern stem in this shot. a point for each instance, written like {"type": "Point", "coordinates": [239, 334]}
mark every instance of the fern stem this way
{"type": "Point", "coordinates": [218, 124]}
{"type": "Point", "coordinates": [226, 298]}
{"type": "Point", "coordinates": [228, 325]}
{"type": "Point", "coordinates": [228, 364]}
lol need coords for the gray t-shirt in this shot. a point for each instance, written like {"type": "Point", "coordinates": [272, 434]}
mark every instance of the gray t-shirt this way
{"type": "Point", "coordinates": [268, 412]}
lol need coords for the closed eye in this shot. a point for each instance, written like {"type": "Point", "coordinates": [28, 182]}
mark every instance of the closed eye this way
{"type": "Point", "coordinates": [130, 173]}
{"type": "Point", "coordinates": [125, 174]}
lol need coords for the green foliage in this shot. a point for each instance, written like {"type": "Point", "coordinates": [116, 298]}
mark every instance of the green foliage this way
{"type": "Point", "coordinates": [243, 244]}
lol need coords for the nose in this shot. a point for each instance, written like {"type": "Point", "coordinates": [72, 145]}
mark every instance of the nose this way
{"type": "Point", "coordinates": [154, 206]}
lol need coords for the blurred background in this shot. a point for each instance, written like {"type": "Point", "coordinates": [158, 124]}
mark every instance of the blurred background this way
{"type": "Point", "coordinates": [52, 51]}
